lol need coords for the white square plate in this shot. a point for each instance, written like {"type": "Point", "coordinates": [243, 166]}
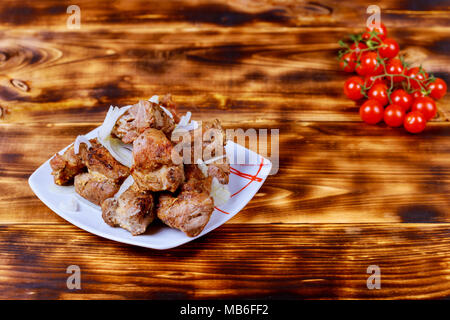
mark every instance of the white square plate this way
{"type": "Point", "coordinates": [245, 181]}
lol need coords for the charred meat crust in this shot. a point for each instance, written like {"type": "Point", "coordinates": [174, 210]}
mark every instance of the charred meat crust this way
{"type": "Point", "coordinates": [98, 159]}
{"type": "Point", "coordinates": [142, 116]}
{"type": "Point", "coordinates": [189, 212]}
{"type": "Point", "coordinates": [95, 187]}
{"type": "Point", "coordinates": [165, 178]}
{"type": "Point", "coordinates": [153, 169]}
{"type": "Point", "coordinates": [221, 171]}
{"type": "Point", "coordinates": [191, 209]}
{"type": "Point", "coordinates": [65, 167]}
{"type": "Point", "coordinates": [152, 149]}
{"type": "Point", "coordinates": [133, 210]}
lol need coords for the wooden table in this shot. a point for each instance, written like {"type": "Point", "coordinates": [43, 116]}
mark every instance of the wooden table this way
{"type": "Point", "coordinates": [347, 195]}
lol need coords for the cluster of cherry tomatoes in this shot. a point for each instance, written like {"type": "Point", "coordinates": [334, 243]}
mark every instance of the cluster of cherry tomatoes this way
{"type": "Point", "coordinates": [393, 91]}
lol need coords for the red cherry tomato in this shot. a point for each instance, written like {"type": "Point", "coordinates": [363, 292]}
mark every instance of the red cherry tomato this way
{"type": "Point", "coordinates": [381, 32]}
{"type": "Point", "coordinates": [426, 106]}
{"type": "Point", "coordinates": [415, 122]}
{"type": "Point", "coordinates": [371, 111]}
{"type": "Point", "coordinates": [348, 62]}
{"type": "Point", "coordinates": [438, 88]}
{"type": "Point", "coordinates": [402, 98]}
{"type": "Point", "coordinates": [395, 67]}
{"type": "Point", "coordinates": [357, 48]}
{"type": "Point", "coordinates": [369, 64]}
{"type": "Point", "coordinates": [379, 92]}
{"type": "Point", "coordinates": [369, 81]}
{"type": "Point", "coordinates": [417, 94]}
{"type": "Point", "coordinates": [416, 73]}
{"type": "Point", "coordinates": [389, 49]}
{"type": "Point", "coordinates": [352, 88]}
{"type": "Point", "coordinates": [394, 115]}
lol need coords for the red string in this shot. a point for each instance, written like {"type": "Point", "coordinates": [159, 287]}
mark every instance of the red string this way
{"type": "Point", "coordinates": [246, 176]}
{"type": "Point", "coordinates": [221, 210]}
{"type": "Point", "coordinates": [253, 178]}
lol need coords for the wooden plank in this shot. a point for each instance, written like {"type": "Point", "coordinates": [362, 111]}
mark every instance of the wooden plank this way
{"type": "Point", "coordinates": [329, 172]}
{"type": "Point", "coordinates": [287, 82]}
{"type": "Point", "coordinates": [235, 261]}
{"type": "Point", "coordinates": [345, 195]}
{"type": "Point", "coordinates": [227, 14]}
{"type": "Point", "coordinates": [285, 67]}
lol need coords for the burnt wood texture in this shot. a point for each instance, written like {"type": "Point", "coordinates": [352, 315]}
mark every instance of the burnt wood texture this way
{"type": "Point", "coordinates": [346, 196]}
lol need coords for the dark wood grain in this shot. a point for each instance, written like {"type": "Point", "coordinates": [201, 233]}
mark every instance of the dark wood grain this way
{"type": "Point", "coordinates": [235, 261]}
{"type": "Point", "coordinates": [346, 196]}
{"type": "Point", "coordinates": [329, 172]}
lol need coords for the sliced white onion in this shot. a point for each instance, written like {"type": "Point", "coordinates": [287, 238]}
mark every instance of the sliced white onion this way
{"type": "Point", "coordinates": [118, 150]}
{"type": "Point", "coordinates": [202, 166]}
{"type": "Point", "coordinates": [185, 119]}
{"type": "Point", "coordinates": [167, 111]}
{"type": "Point", "coordinates": [214, 159]}
{"type": "Point", "coordinates": [191, 126]}
{"type": "Point", "coordinates": [219, 193]}
{"type": "Point", "coordinates": [128, 146]}
{"type": "Point", "coordinates": [113, 114]}
{"type": "Point", "coordinates": [115, 146]}
{"type": "Point", "coordinates": [154, 99]}
{"type": "Point", "coordinates": [70, 205]}
{"type": "Point", "coordinates": [78, 141]}
{"type": "Point", "coordinates": [127, 183]}
{"type": "Point", "coordinates": [185, 125]}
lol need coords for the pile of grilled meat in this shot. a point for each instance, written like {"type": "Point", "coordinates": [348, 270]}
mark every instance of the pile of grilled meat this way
{"type": "Point", "coordinates": [178, 194]}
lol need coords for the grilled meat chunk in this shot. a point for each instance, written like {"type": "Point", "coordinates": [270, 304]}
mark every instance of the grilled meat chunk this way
{"type": "Point", "coordinates": [195, 180]}
{"type": "Point", "coordinates": [95, 187]}
{"type": "Point", "coordinates": [66, 166]}
{"type": "Point", "coordinates": [98, 159]}
{"type": "Point", "coordinates": [209, 142]}
{"type": "Point", "coordinates": [153, 168]}
{"type": "Point", "coordinates": [140, 117]}
{"type": "Point", "coordinates": [164, 178]}
{"type": "Point", "coordinates": [220, 169]}
{"type": "Point", "coordinates": [167, 102]}
{"type": "Point", "coordinates": [133, 210]}
{"type": "Point", "coordinates": [214, 138]}
{"type": "Point", "coordinates": [189, 212]}
{"type": "Point", "coordinates": [104, 175]}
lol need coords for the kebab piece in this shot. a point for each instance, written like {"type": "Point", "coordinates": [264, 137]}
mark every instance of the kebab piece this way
{"type": "Point", "coordinates": [133, 210]}
{"type": "Point", "coordinates": [95, 187]}
{"type": "Point", "coordinates": [153, 168]}
{"type": "Point", "coordinates": [104, 173]}
{"type": "Point", "coordinates": [66, 166]}
{"type": "Point", "coordinates": [145, 115]}
{"type": "Point", "coordinates": [191, 209]}
{"type": "Point", "coordinates": [98, 159]}
{"type": "Point", "coordinates": [211, 137]}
